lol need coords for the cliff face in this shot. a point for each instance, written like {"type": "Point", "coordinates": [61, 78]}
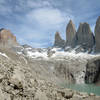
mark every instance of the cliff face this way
{"type": "Point", "coordinates": [7, 39]}
{"type": "Point", "coordinates": [84, 37]}
{"type": "Point", "coordinates": [93, 71]}
{"type": "Point", "coordinates": [97, 35]}
{"type": "Point", "coordinates": [70, 33]}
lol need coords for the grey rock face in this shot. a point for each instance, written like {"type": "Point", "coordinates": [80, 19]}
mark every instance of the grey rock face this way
{"type": "Point", "coordinates": [84, 37]}
{"type": "Point", "coordinates": [7, 39]}
{"type": "Point", "coordinates": [70, 33]}
{"type": "Point", "coordinates": [93, 71]}
{"type": "Point", "coordinates": [97, 35]}
{"type": "Point", "coordinates": [59, 42]}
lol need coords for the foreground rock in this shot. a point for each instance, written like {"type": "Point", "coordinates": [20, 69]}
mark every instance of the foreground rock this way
{"type": "Point", "coordinates": [84, 37]}
{"type": "Point", "coordinates": [59, 42]}
{"type": "Point", "coordinates": [70, 33]}
{"type": "Point", "coordinates": [97, 35]}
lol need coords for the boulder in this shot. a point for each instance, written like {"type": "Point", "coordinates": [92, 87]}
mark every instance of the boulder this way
{"type": "Point", "coordinates": [97, 35]}
{"type": "Point", "coordinates": [59, 42]}
{"type": "Point", "coordinates": [66, 93]}
{"type": "Point", "coordinates": [70, 33]}
{"type": "Point", "coordinates": [40, 95]}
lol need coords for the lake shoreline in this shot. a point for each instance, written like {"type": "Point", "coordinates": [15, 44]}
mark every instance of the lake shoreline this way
{"type": "Point", "coordinates": [87, 88]}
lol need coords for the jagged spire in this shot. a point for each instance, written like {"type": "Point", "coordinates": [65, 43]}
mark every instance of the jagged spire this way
{"type": "Point", "coordinates": [70, 33]}
{"type": "Point", "coordinates": [97, 35]}
{"type": "Point", "coordinates": [84, 37]}
{"type": "Point", "coordinates": [59, 42]}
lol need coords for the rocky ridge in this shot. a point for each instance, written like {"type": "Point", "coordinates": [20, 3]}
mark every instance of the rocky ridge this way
{"type": "Point", "coordinates": [83, 39]}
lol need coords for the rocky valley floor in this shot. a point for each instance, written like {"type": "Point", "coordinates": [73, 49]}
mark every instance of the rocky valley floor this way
{"type": "Point", "coordinates": [39, 74]}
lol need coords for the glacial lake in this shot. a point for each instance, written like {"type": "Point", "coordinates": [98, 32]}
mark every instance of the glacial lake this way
{"type": "Point", "coordinates": [89, 88]}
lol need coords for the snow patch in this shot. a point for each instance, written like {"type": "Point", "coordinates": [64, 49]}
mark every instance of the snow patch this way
{"type": "Point", "coordinates": [58, 54]}
{"type": "Point", "coordinates": [36, 54]}
{"type": "Point", "coordinates": [73, 55]}
{"type": "Point", "coordinates": [19, 53]}
{"type": "Point", "coordinates": [28, 48]}
{"type": "Point", "coordinates": [3, 54]}
{"type": "Point", "coordinates": [57, 49]}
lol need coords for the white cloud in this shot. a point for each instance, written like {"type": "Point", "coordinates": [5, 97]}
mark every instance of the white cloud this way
{"type": "Point", "coordinates": [49, 17]}
{"type": "Point", "coordinates": [40, 21]}
{"type": "Point", "coordinates": [2, 1]}
{"type": "Point", "coordinates": [4, 8]}
{"type": "Point", "coordinates": [37, 4]}
{"type": "Point", "coordinates": [26, 5]}
{"type": "Point", "coordinates": [33, 43]}
{"type": "Point", "coordinates": [40, 25]}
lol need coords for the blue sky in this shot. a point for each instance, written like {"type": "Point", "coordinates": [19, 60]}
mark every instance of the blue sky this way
{"type": "Point", "coordinates": [35, 22]}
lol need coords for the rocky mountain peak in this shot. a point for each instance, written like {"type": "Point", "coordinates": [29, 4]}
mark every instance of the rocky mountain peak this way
{"type": "Point", "coordinates": [84, 28]}
{"type": "Point", "coordinates": [98, 21]}
{"type": "Point", "coordinates": [59, 42]}
{"type": "Point", "coordinates": [7, 39]}
{"type": "Point", "coordinates": [71, 22]}
{"type": "Point", "coordinates": [70, 33]}
{"type": "Point", "coordinates": [84, 37]}
{"type": "Point", "coordinates": [57, 36]}
{"type": "Point", "coordinates": [97, 35]}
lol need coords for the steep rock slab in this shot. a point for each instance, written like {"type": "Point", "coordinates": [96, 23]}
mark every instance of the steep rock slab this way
{"type": "Point", "coordinates": [93, 71]}
{"type": "Point", "coordinates": [70, 33]}
{"type": "Point", "coordinates": [84, 37]}
{"type": "Point", "coordinates": [7, 39]}
{"type": "Point", "coordinates": [97, 35]}
{"type": "Point", "coordinates": [59, 42]}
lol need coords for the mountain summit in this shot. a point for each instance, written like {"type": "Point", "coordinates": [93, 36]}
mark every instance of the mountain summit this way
{"type": "Point", "coordinates": [84, 37]}
{"type": "Point", "coordinates": [59, 42]}
{"type": "Point", "coordinates": [7, 39]}
{"type": "Point", "coordinates": [70, 32]}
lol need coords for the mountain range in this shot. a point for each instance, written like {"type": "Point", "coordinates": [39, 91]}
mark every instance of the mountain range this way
{"type": "Point", "coordinates": [83, 38]}
{"type": "Point", "coordinates": [28, 73]}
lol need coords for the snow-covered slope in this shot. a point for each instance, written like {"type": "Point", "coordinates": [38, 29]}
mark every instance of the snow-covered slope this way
{"type": "Point", "coordinates": [57, 53]}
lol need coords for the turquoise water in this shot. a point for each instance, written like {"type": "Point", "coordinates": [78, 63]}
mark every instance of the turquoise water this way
{"type": "Point", "coordinates": [89, 88]}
